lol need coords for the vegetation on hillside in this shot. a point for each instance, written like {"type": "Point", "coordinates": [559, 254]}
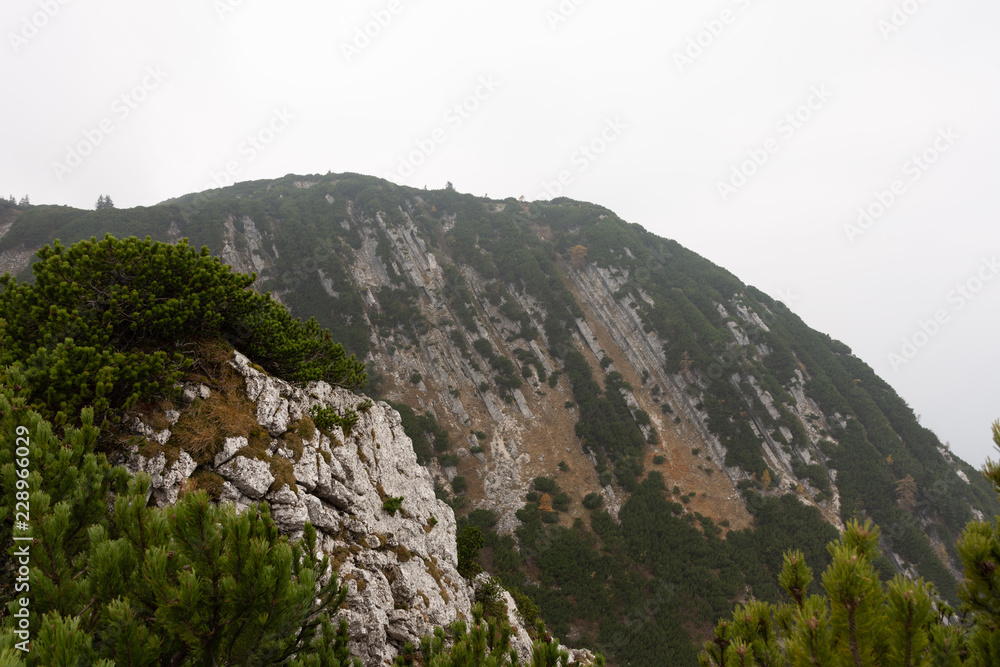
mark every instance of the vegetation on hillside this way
{"type": "Point", "coordinates": [649, 584]}
{"type": "Point", "coordinates": [116, 582]}
{"type": "Point", "coordinates": [106, 579]}
{"type": "Point", "coordinates": [858, 621]}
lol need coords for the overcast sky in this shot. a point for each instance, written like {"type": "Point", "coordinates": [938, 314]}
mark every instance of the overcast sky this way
{"type": "Point", "coordinates": [751, 131]}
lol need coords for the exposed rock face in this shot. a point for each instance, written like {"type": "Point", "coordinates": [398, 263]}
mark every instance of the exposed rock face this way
{"type": "Point", "coordinates": [14, 260]}
{"type": "Point", "coordinates": [399, 567]}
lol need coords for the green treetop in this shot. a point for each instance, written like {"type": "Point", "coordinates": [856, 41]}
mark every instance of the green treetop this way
{"type": "Point", "coordinates": [106, 324]}
{"type": "Point", "coordinates": [860, 623]}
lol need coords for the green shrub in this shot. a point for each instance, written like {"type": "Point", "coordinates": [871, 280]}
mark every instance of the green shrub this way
{"type": "Point", "coordinates": [470, 541]}
{"type": "Point", "coordinates": [593, 500]}
{"type": "Point", "coordinates": [545, 485]}
{"type": "Point", "coordinates": [490, 596]}
{"type": "Point", "coordinates": [390, 505]}
{"type": "Point", "coordinates": [110, 323]}
{"type": "Point", "coordinates": [561, 501]}
{"type": "Point", "coordinates": [327, 419]}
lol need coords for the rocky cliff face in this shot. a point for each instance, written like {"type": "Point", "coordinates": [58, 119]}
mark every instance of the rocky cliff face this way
{"type": "Point", "coordinates": [399, 566]}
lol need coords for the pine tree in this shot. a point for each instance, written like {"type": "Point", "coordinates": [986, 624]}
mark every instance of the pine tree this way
{"type": "Point", "coordinates": [119, 581]}
{"type": "Point", "coordinates": [979, 549]}
{"type": "Point", "coordinates": [856, 623]}
{"type": "Point", "coordinates": [859, 623]}
{"type": "Point", "coordinates": [109, 323]}
{"type": "Point", "coordinates": [906, 493]}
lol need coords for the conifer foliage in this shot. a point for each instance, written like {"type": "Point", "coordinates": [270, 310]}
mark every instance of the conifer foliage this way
{"type": "Point", "coordinates": [115, 582]}
{"type": "Point", "coordinates": [860, 623]}
{"type": "Point", "coordinates": [109, 323]}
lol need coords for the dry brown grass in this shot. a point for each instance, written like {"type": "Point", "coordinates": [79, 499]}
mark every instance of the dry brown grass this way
{"type": "Point", "coordinates": [306, 428]}
{"type": "Point", "coordinates": [151, 450]}
{"type": "Point", "coordinates": [227, 412]}
{"type": "Point", "coordinates": [153, 413]}
{"type": "Point", "coordinates": [283, 473]}
{"type": "Point", "coordinates": [209, 482]}
{"type": "Point", "coordinates": [292, 441]}
{"type": "Point", "coordinates": [435, 570]}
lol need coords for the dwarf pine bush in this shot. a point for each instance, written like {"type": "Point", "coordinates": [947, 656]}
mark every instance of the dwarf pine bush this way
{"type": "Point", "coordinates": [108, 323]}
{"type": "Point", "coordinates": [114, 581]}
{"type": "Point", "coordinates": [861, 623]}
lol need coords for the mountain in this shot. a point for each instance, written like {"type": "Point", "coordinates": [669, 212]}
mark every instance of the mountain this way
{"type": "Point", "coordinates": [400, 566]}
{"type": "Point", "coordinates": [638, 434]}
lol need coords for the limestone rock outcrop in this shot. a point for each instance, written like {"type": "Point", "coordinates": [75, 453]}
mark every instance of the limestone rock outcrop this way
{"type": "Point", "coordinates": [399, 566]}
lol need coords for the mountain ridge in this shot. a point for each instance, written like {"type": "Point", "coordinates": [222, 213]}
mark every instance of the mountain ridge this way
{"type": "Point", "coordinates": [493, 319]}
